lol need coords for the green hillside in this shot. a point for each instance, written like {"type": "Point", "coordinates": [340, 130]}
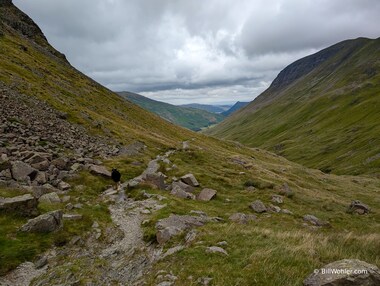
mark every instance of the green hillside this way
{"type": "Point", "coordinates": [321, 111]}
{"type": "Point", "coordinates": [190, 118]}
{"type": "Point", "coordinates": [111, 239]}
{"type": "Point", "coordinates": [207, 107]}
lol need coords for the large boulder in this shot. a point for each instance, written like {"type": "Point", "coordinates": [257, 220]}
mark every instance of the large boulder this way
{"type": "Point", "coordinates": [206, 195]}
{"type": "Point", "coordinates": [22, 171]}
{"type": "Point", "coordinates": [190, 180]}
{"type": "Point", "coordinates": [44, 223]}
{"type": "Point", "coordinates": [346, 272]}
{"type": "Point", "coordinates": [22, 205]}
{"type": "Point", "coordinates": [358, 207]}
{"type": "Point", "coordinates": [258, 206]}
{"type": "Point", "coordinates": [176, 224]}
{"type": "Point", "coordinates": [156, 179]}
{"type": "Point", "coordinates": [100, 171]}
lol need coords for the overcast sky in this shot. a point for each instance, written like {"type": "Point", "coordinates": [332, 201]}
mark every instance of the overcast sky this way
{"type": "Point", "coordinates": [205, 51]}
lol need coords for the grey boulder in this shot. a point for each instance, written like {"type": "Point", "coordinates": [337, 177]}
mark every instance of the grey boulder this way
{"type": "Point", "coordinates": [45, 223]}
{"type": "Point", "coordinates": [23, 205]}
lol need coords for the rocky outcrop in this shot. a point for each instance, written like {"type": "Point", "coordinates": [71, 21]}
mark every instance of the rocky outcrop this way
{"type": "Point", "coordinates": [242, 218]}
{"type": "Point", "coordinates": [352, 272]}
{"type": "Point", "coordinates": [22, 205]}
{"type": "Point", "coordinates": [48, 222]}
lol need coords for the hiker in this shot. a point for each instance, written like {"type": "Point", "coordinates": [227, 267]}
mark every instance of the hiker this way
{"type": "Point", "coordinates": [116, 176]}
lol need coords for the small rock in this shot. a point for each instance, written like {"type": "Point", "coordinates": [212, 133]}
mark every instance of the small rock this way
{"type": "Point", "coordinates": [78, 206]}
{"type": "Point", "coordinates": [206, 195]}
{"type": "Point", "coordinates": [63, 186]}
{"type": "Point", "coordinates": [190, 180]}
{"type": "Point", "coordinates": [286, 211]}
{"type": "Point", "coordinates": [277, 199]}
{"type": "Point", "coordinates": [239, 218]}
{"type": "Point", "coordinates": [72, 217]}
{"type": "Point", "coordinates": [181, 185]}
{"type": "Point", "coordinates": [41, 262]}
{"type": "Point", "coordinates": [358, 207]}
{"type": "Point", "coordinates": [250, 189]}
{"type": "Point", "coordinates": [191, 236]}
{"type": "Point", "coordinates": [204, 281]}
{"type": "Point", "coordinates": [274, 209]}
{"type": "Point", "coordinates": [314, 220]}
{"type": "Point", "coordinates": [258, 206]}
{"type": "Point", "coordinates": [180, 193]}
{"type": "Point", "coordinates": [222, 243]}
{"type": "Point", "coordinates": [216, 249]}
{"type": "Point", "coordinates": [60, 163]}
{"type": "Point", "coordinates": [185, 145]}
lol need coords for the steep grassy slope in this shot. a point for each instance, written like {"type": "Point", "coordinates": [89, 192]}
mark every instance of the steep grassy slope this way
{"type": "Point", "coordinates": [191, 118]}
{"type": "Point", "coordinates": [30, 65]}
{"type": "Point", "coordinates": [321, 111]}
{"type": "Point", "coordinates": [276, 249]}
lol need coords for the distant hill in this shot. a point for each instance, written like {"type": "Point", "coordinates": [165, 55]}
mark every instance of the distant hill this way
{"type": "Point", "coordinates": [191, 118]}
{"type": "Point", "coordinates": [238, 105]}
{"type": "Point", "coordinates": [321, 111]}
{"type": "Point", "coordinates": [209, 108]}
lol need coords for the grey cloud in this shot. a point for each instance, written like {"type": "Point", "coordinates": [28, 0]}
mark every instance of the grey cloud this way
{"type": "Point", "coordinates": [204, 51]}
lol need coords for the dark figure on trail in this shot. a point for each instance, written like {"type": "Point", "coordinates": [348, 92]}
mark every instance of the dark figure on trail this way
{"type": "Point", "coordinates": [116, 176]}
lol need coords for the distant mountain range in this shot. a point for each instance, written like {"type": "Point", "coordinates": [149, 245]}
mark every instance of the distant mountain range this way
{"type": "Point", "coordinates": [209, 108]}
{"type": "Point", "coordinates": [238, 105]}
{"type": "Point", "coordinates": [191, 118]}
{"type": "Point", "coordinates": [322, 111]}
